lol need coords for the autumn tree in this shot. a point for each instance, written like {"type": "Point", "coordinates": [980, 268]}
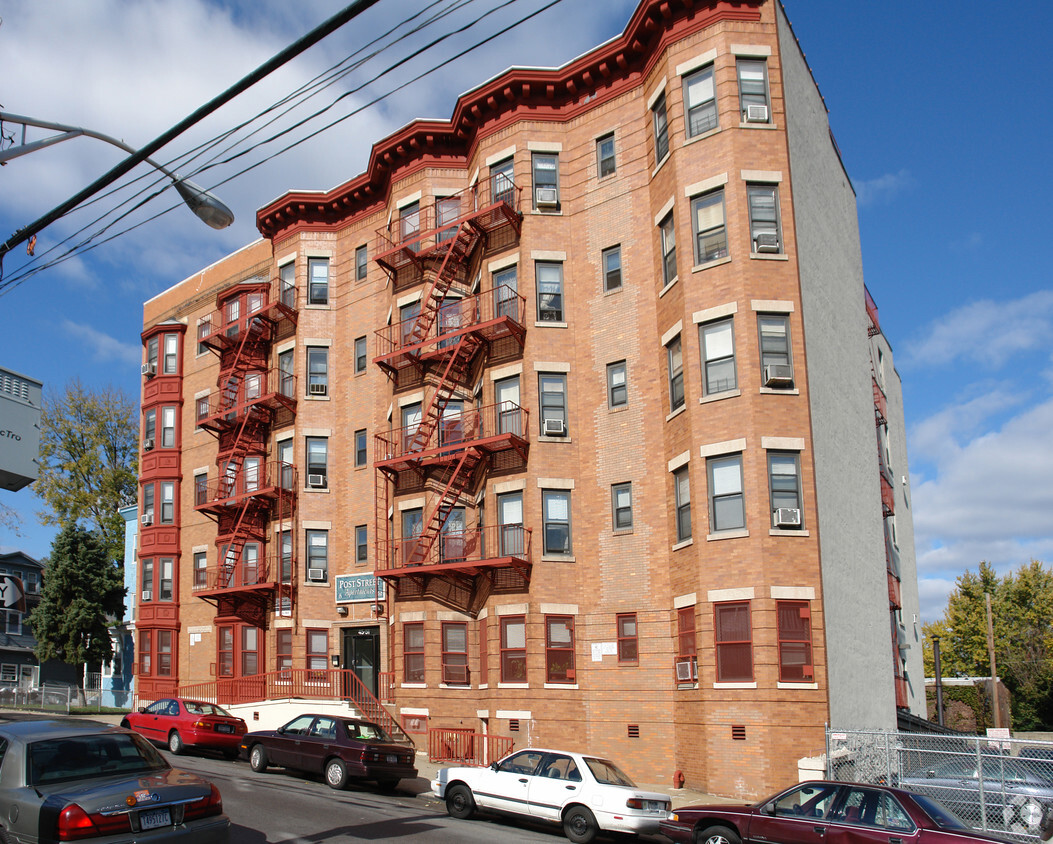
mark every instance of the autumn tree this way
{"type": "Point", "coordinates": [1022, 620]}
{"type": "Point", "coordinates": [88, 460]}
{"type": "Point", "coordinates": [83, 591]}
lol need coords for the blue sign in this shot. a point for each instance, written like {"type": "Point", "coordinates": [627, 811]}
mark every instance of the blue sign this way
{"type": "Point", "coordinates": [359, 587]}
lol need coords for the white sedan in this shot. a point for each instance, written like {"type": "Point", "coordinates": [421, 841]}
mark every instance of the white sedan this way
{"type": "Point", "coordinates": [584, 793]}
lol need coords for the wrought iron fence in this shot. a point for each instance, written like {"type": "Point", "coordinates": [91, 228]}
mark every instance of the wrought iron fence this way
{"type": "Point", "coordinates": [992, 784]}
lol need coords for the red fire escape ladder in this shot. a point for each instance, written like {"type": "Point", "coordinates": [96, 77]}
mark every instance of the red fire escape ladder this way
{"type": "Point", "coordinates": [458, 253]}
{"type": "Point", "coordinates": [458, 483]}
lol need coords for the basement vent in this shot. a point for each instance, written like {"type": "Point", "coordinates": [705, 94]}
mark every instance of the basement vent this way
{"type": "Point", "coordinates": [513, 725]}
{"type": "Point", "coordinates": [738, 732]}
{"type": "Point", "coordinates": [634, 731]}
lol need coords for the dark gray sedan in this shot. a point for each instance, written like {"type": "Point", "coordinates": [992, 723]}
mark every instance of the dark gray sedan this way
{"type": "Point", "coordinates": [63, 781]}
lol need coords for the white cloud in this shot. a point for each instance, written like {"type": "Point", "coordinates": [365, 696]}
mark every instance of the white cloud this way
{"type": "Point", "coordinates": [103, 347]}
{"type": "Point", "coordinates": [882, 189]}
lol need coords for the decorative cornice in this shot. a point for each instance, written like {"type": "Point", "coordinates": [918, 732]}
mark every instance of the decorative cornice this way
{"type": "Point", "coordinates": [554, 94]}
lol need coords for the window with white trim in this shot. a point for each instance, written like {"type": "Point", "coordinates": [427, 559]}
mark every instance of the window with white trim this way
{"type": "Point", "coordinates": [361, 263]}
{"type": "Point", "coordinates": [661, 129]}
{"type": "Point", "coordinates": [317, 371]}
{"type": "Point", "coordinates": [622, 506]}
{"type": "Point", "coordinates": [545, 167]}
{"type": "Point", "coordinates": [765, 235]}
{"type": "Point", "coordinates": [549, 276]}
{"type": "Point", "coordinates": [717, 344]}
{"type": "Point", "coordinates": [667, 238]}
{"type": "Point", "coordinates": [727, 509]}
{"type": "Point", "coordinates": [317, 281]}
{"type": "Point", "coordinates": [317, 555]}
{"type": "Point", "coordinates": [611, 260]}
{"type": "Point", "coordinates": [754, 101]}
{"type": "Point", "coordinates": [552, 389]}
{"type": "Point", "coordinates": [710, 229]}
{"type": "Point", "coordinates": [556, 521]}
{"type": "Point", "coordinates": [700, 102]}
{"type": "Point", "coordinates": [605, 163]}
{"type": "Point", "coordinates": [776, 361]}
{"type": "Point", "coordinates": [784, 489]}
{"type": "Point", "coordinates": [682, 503]}
{"type": "Point", "coordinates": [617, 384]}
{"type": "Point", "coordinates": [675, 362]}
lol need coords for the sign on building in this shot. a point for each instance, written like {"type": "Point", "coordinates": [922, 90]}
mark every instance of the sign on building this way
{"type": "Point", "coordinates": [358, 587]}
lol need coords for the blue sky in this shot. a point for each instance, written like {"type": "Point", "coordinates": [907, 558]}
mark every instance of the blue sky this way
{"type": "Point", "coordinates": [941, 111]}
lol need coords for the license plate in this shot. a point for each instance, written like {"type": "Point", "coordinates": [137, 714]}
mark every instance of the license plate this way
{"type": "Point", "coordinates": [654, 806]}
{"type": "Point", "coordinates": [224, 728]}
{"type": "Point", "coordinates": [154, 819]}
{"type": "Point", "coordinates": [391, 759]}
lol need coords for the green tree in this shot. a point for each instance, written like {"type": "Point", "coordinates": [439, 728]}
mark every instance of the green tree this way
{"type": "Point", "coordinates": [89, 446]}
{"type": "Point", "coordinates": [83, 591]}
{"type": "Point", "coordinates": [1022, 621]}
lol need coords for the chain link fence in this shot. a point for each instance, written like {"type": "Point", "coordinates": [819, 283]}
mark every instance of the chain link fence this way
{"type": "Point", "coordinates": [46, 698]}
{"type": "Point", "coordinates": [992, 784]}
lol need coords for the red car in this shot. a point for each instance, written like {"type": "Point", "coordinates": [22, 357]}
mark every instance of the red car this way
{"type": "Point", "coordinates": [181, 724]}
{"type": "Point", "coordinates": [814, 812]}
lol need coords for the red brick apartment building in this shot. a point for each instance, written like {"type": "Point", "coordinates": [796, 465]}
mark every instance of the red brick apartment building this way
{"type": "Point", "coordinates": [569, 420]}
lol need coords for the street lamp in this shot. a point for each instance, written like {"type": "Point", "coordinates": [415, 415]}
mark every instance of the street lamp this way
{"type": "Point", "coordinates": [205, 205]}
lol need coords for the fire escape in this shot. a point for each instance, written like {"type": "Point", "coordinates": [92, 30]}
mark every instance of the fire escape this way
{"type": "Point", "coordinates": [253, 574]}
{"type": "Point", "coordinates": [888, 508]}
{"type": "Point", "coordinates": [447, 452]}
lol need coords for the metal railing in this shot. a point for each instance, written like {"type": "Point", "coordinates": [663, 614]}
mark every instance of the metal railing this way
{"type": "Point", "coordinates": [467, 747]}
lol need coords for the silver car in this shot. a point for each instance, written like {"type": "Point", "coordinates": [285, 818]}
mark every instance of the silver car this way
{"type": "Point", "coordinates": [62, 780]}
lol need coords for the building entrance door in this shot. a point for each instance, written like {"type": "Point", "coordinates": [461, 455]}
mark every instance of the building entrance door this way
{"type": "Point", "coordinates": [360, 651]}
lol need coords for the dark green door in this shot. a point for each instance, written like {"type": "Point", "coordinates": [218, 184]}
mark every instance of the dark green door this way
{"type": "Point", "coordinates": [360, 650]}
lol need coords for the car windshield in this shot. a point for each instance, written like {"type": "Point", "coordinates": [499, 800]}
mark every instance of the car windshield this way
{"type": "Point", "coordinates": [943, 817]}
{"type": "Point", "coordinates": [607, 772]}
{"type": "Point", "coordinates": [196, 707]}
{"type": "Point", "coordinates": [364, 731]}
{"type": "Point", "coordinates": [77, 757]}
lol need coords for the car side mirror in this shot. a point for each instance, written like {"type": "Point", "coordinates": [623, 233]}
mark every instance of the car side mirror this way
{"type": "Point", "coordinates": [768, 809]}
{"type": "Point", "coordinates": [142, 710]}
{"type": "Point", "coordinates": [493, 766]}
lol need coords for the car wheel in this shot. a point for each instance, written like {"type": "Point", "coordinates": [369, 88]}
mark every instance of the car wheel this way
{"type": "Point", "coordinates": [175, 742]}
{"type": "Point", "coordinates": [579, 825]}
{"type": "Point", "coordinates": [717, 835]}
{"type": "Point", "coordinates": [387, 785]}
{"type": "Point", "coordinates": [258, 758]}
{"type": "Point", "coordinates": [459, 802]}
{"type": "Point", "coordinates": [336, 774]}
{"type": "Point", "coordinates": [1024, 814]}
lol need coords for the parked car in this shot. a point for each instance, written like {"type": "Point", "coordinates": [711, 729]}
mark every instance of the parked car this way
{"type": "Point", "coordinates": [584, 793]}
{"type": "Point", "coordinates": [813, 812]}
{"type": "Point", "coordinates": [342, 749]}
{"type": "Point", "coordinates": [1014, 789]}
{"type": "Point", "coordinates": [61, 780]}
{"type": "Point", "coordinates": [181, 724]}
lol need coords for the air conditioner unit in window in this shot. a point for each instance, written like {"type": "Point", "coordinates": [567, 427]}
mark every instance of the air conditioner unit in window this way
{"type": "Point", "coordinates": [148, 444]}
{"type": "Point", "coordinates": [318, 389]}
{"type": "Point", "coordinates": [149, 369]}
{"type": "Point", "coordinates": [778, 375]}
{"type": "Point", "coordinates": [148, 595]}
{"type": "Point", "coordinates": [316, 481]}
{"type": "Point", "coordinates": [686, 671]}
{"type": "Point", "coordinates": [787, 517]}
{"type": "Point", "coordinates": [766, 242]}
{"type": "Point", "coordinates": [146, 519]}
{"type": "Point", "coordinates": [546, 196]}
{"type": "Point", "coordinates": [554, 428]}
{"type": "Point", "coordinates": [756, 114]}
{"type": "Point", "coordinates": [316, 574]}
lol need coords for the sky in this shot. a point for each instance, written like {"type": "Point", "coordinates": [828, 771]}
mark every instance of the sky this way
{"type": "Point", "coordinates": [941, 111]}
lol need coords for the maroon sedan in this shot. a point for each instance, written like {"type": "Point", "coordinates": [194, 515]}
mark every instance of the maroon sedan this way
{"type": "Point", "coordinates": [827, 812]}
{"type": "Point", "coordinates": [181, 724]}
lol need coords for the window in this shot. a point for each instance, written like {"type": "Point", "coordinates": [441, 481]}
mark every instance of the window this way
{"type": "Point", "coordinates": [361, 457]}
{"type": "Point", "coordinates": [317, 650]}
{"type": "Point", "coordinates": [682, 497]}
{"type": "Point", "coordinates": [451, 540]}
{"type": "Point", "coordinates": [622, 506]}
{"type": "Point", "coordinates": [164, 653]}
{"type": "Point", "coordinates": [13, 623]}
{"type": "Point", "coordinates": [283, 649]}
{"type": "Point", "coordinates": [408, 317]}
{"type": "Point", "coordinates": [151, 354]}
{"type": "Point", "coordinates": [361, 543]}
{"type": "Point", "coordinates": [225, 652]}
{"type": "Point", "coordinates": [455, 653]}
{"type": "Point", "coordinates": [484, 656]}
{"type": "Point", "coordinates": [502, 184]}
{"type": "Point", "coordinates": [510, 521]}
{"type": "Point", "coordinates": [776, 364]}
{"type": "Point", "coordinates": [546, 181]}
{"type": "Point", "coordinates": [286, 376]}
{"type": "Point", "coordinates": [317, 555]}
{"type": "Point", "coordinates": [668, 238]}
{"type": "Point", "coordinates": [361, 263]}
{"type": "Point", "coordinates": [795, 641]}
{"type": "Point", "coordinates": [513, 649]}
{"type": "Point", "coordinates": [556, 506]}
{"type": "Point", "coordinates": [167, 502]}
{"type": "Point", "coordinates": [552, 389]}
{"type": "Point", "coordinates": [675, 356]}
{"type": "Point", "coordinates": [409, 224]}
{"type": "Point", "coordinates": [661, 129]}
{"type": "Point", "coordinates": [612, 269]}
{"type": "Point", "coordinates": [317, 461]}
{"type": "Point", "coordinates": [731, 629]}
{"type": "Point", "coordinates": [711, 236]}
{"type": "Point", "coordinates": [412, 527]}
{"type": "Point", "coordinates": [784, 487]}
{"type": "Point", "coordinates": [764, 218]}
{"type": "Point", "coordinates": [617, 385]}
{"type": "Point", "coordinates": [204, 328]}
{"type": "Point", "coordinates": [506, 299]}
{"type": "Point", "coordinates": [200, 570]}
{"type": "Point", "coordinates": [168, 420]}
{"type": "Point", "coordinates": [149, 429]}
{"type": "Point", "coordinates": [628, 641]}
{"type": "Point", "coordinates": [317, 281]}
{"type": "Point", "coordinates": [686, 648]}
{"type": "Point", "coordinates": [145, 652]}
{"type": "Point", "coordinates": [559, 649]}
{"type": "Point", "coordinates": [148, 580]}
{"type": "Point", "coordinates": [317, 371]}
{"type": "Point", "coordinates": [717, 342]}
{"type": "Point", "coordinates": [700, 102]}
{"type": "Point", "coordinates": [148, 501]}
{"type": "Point", "coordinates": [727, 509]}
{"type": "Point", "coordinates": [287, 284]}
{"type": "Point", "coordinates": [413, 652]}
{"type": "Point", "coordinates": [360, 354]}
{"type": "Point", "coordinates": [285, 540]}
{"type": "Point", "coordinates": [753, 90]}
{"type": "Point", "coordinates": [605, 163]}
{"type": "Point", "coordinates": [549, 292]}
{"type": "Point", "coordinates": [171, 361]}
{"type": "Point", "coordinates": [166, 566]}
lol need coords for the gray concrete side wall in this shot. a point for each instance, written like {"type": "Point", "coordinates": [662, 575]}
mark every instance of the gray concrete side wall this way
{"type": "Point", "coordinates": [847, 474]}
